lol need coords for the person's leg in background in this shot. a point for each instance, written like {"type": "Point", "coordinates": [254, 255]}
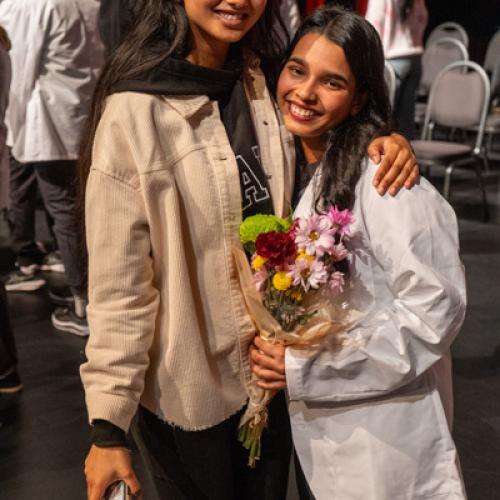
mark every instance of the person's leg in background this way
{"type": "Point", "coordinates": [408, 73]}
{"type": "Point", "coordinates": [10, 382]}
{"type": "Point", "coordinates": [57, 182]}
{"type": "Point", "coordinates": [23, 192]}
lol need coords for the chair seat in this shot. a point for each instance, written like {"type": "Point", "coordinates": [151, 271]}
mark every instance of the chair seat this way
{"type": "Point", "coordinates": [440, 151]}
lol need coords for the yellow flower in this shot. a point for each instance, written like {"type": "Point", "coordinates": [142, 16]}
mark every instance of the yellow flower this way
{"type": "Point", "coordinates": [258, 262]}
{"type": "Point", "coordinates": [303, 255]}
{"type": "Point", "coordinates": [297, 295]}
{"type": "Point", "coordinates": [281, 281]}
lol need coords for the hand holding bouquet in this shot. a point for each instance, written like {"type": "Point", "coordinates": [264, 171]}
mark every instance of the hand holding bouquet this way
{"type": "Point", "coordinates": [296, 269]}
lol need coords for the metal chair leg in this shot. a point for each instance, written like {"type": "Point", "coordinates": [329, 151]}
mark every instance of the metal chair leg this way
{"type": "Point", "coordinates": [486, 161]}
{"type": "Point", "coordinates": [486, 208]}
{"type": "Point", "coordinates": [447, 181]}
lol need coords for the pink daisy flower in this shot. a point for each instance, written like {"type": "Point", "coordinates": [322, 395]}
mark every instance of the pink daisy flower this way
{"type": "Point", "coordinates": [260, 277]}
{"type": "Point", "coordinates": [339, 252]}
{"type": "Point", "coordinates": [308, 274]}
{"type": "Point", "coordinates": [314, 235]}
{"type": "Point", "coordinates": [341, 219]}
{"type": "Point", "coordinates": [336, 284]}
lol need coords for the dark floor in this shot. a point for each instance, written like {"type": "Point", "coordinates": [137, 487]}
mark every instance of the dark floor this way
{"type": "Point", "coordinates": [44, 437]}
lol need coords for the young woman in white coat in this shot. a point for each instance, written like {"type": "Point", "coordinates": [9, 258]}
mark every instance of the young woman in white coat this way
{"type": "Point", "coordinates": [184, 140]}
{"type": "Point", "coordinates": [371, 419]}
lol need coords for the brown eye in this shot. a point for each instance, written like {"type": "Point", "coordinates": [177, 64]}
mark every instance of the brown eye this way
{"type": "Point", "coordinates": [295, 70]}
{"type": "Point", "coordinates": [333, 84]}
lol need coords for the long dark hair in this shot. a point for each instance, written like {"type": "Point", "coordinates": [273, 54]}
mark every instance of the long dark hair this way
{"type": "Point", "coordinates": [405, 7]}
{"type": "Point", "coordinates": [347, 143]}
{"type": "Point", "coordinates": [160, 29]}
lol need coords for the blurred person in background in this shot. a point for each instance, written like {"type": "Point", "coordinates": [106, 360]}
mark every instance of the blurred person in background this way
{"type": "Point", "coordinates": [401, 25]}
{"type": "Point", "coordinates": [9, 378]}
{"type": "Point", "coordinates": [290, 14]}
{"type": "Point", "coordinates": [56, 57]}
{"type": "Point", "coordinates": [115, 17]}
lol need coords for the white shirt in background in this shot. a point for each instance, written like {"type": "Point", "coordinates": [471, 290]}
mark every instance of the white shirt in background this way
{"type": "Point", "coordinates": [290, 14]}
{"type": "Point", "coordinates": [398, 39]}
{"type": "Point", "coordinates": [56, 56]}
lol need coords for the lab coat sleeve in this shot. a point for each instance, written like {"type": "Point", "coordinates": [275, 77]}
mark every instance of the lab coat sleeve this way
{"type": "Point", "coordinates": [26, 27]}
{"type": "Point", "coordinates": [414, 238]}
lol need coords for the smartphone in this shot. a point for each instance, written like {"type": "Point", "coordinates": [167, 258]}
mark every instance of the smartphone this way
{"type": "Point", "coordinates": [118, 491]}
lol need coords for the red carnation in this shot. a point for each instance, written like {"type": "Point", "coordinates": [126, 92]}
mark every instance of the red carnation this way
{"type": "Point", "coordinates": [277, 247]}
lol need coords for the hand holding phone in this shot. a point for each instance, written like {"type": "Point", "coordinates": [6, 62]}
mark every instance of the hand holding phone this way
{"type": "Point", "coordinates": [118, 491]}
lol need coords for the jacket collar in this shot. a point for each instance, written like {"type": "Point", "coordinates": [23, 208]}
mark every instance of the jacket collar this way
{"type": "Point", "coordinates": [187, 106]}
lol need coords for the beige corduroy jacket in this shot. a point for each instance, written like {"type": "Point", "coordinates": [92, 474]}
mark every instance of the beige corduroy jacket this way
{"type": "Point", "coordinates": [168, 328]}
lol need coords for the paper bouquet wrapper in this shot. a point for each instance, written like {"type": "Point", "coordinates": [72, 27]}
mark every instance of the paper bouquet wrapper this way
{"type": "Point", "coordinates": [309, 335]}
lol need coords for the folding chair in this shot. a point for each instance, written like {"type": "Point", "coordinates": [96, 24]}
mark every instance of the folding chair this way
{"type": "Point", "coordinates": [492, 53]}
{"type": "Point", "coordinates": [437, 55]}
{"type": "Point", "coordinates": [492, 66]}
{"type": "Point", "coordinates": [460, 100]}
{"type": "Point", "coordinates": [449, 30]}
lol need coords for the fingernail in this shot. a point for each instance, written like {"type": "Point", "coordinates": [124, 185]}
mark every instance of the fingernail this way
{"type": "Point", "coordinates": [392, 192]}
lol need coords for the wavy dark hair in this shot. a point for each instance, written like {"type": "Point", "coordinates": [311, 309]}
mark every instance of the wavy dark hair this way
{"type": "Point", "coordinates": [405, 7]}
{"type": "Point", "coordinates": [158, 30]}
{"type": "Point", "coordinates": [347, 143]}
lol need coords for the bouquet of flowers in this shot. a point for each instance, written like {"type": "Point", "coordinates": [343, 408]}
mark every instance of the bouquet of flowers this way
{"type": "Point", "coordinates": [295, 269]}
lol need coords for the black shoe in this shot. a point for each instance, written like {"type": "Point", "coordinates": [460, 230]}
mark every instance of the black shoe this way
{"type": "Point", "coordinates": [61, 296]}
{"type": "Point", "coordinates": [66, 320]}
{"type": "Point", "coordinates": [24, 279]}
{"type": "Point", "coordinates": [10, 383]}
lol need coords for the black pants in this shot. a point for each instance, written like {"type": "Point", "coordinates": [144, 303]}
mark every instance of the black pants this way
{"type": "Point", "coordinates": [212, 464]}
{"type": "Point", "coordinates": [8, 355]}
{"type": "Point", "coordinates": [56, 182]}
{"type": "Point", "coordinates": [305, 492]}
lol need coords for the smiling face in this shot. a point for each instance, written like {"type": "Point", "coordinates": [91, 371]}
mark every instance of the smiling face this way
{"type": "Point", "coordinates": [316, 89]}
{"type": "Point", "coordinates": [222, 22]}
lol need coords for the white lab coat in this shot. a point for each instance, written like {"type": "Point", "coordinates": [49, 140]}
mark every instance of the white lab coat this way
{"type": "Point", "coordinates": [369, 421]}
{"type": "Point", "coordinates": [56, 55]}
{"type": "Point", "coordinates": [5, 76]}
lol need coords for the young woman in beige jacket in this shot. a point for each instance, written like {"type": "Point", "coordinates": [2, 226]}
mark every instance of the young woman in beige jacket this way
{"type": "Point", "coordinates": [184, 141]}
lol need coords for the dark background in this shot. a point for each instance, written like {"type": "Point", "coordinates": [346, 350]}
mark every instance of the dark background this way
{"type": "Point", "coordinates": [480, 18]}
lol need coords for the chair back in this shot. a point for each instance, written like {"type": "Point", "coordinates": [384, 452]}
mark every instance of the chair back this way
{"type": "Point", "coordinates": [449, 30]}
{"type": "Point", "coordinates": [437, 56]}
{"type": "Point", "coordinates": [459, 99]}
{"type": "Point", "coordinates": [390, 81]}
{"type": "Point", "coordinates": [492, 53]}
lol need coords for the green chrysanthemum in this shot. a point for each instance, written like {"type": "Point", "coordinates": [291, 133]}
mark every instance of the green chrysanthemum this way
{"type": "Point", "coordinates": [252, 226]}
